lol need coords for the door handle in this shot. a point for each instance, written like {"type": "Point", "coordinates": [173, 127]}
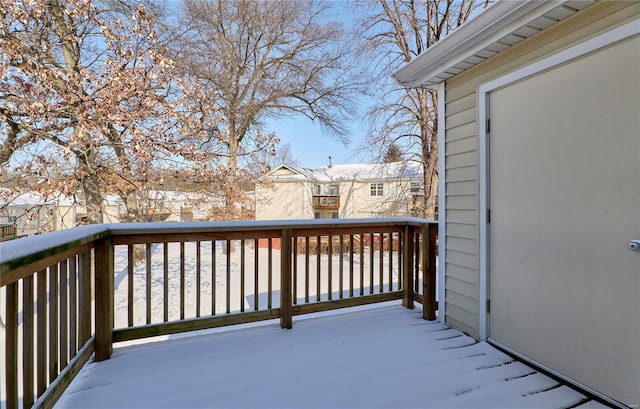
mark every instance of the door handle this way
{"type": "Point", "coordinates": [634, 245]}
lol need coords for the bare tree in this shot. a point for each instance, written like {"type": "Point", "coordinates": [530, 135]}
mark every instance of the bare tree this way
{"type": "Point", "coordinates": [88, 94]}
{"type": "Point", "coordinates": [266, 59]}
{"type": "Point", "coordinates": [395, 32]}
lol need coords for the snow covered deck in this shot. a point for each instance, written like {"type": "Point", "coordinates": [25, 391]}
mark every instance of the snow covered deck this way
{"type": "Point", "coordinates": [384, 356]}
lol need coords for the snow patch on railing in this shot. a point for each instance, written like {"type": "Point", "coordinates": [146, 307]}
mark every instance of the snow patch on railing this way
{"type": "Point", "coordinates": [26, 246]}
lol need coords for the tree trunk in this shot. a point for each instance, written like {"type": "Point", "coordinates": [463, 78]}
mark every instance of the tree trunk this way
{"type": "Point", "coordinates": [231, 189]}
{"type": "Point", "coordinates": [429, 146]}
{"type": "Point", "coordinates": [91, 188]}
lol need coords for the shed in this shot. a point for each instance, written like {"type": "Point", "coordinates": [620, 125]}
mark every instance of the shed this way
{"type": "Point", "coordinates": [540, 185]}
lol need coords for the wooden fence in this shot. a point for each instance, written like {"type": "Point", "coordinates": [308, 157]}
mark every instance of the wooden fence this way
{"type": "Point", "coordinates": [74, 294]}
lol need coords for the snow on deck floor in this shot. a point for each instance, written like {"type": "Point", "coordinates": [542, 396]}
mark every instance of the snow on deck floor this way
{"type": "Point", "coordinates": [386, 357]}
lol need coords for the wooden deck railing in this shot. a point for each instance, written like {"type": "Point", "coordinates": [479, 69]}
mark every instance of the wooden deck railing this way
{"type": "Point", "coordinates": [70, 294]}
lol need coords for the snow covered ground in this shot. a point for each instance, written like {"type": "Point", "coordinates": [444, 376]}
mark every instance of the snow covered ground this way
{"type": "Point", "coordinates": [217, 281]}
{"type": "Point", "coordinates": [382, 357]}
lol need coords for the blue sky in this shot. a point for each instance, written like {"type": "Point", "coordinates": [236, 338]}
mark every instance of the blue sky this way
{"type": "Point", "coordinates": [311, 147]}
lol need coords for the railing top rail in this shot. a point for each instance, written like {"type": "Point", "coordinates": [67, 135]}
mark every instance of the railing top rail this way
{"type": "Point", "coordinates": [18, 253]}
{"type": "Point", "coordinates": [257, 225]}
{"type": "Point", "coordinates": [15, 254]}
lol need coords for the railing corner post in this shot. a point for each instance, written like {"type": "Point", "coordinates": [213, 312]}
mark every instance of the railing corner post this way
{"type": "Point", "coordinates": [429, 237]}
{"type": "Point", "coordinates": [407, 269]}
{"type": "Point", "coordinates": [286, 304]}
{"type": "Point", "coordinates": [104, 277]}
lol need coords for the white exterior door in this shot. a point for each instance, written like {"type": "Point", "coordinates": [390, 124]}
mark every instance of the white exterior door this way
{"type": "Point", "coordinates": [564, 197]}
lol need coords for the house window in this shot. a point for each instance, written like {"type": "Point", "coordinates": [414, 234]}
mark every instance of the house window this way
{"type": "Point", "coordinates": [416, 187]}
{"type": "Point", "coordinates": [334, 215]}
{"type": "Point", "coordinates": [316, 215]}
{"type": "Point", "coordinates": [376, 189]}
{"type": "Point", "coordinates": [326, 189]}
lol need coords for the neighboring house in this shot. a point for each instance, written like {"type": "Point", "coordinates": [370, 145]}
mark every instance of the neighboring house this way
{"type": "Point", "coordinates": [160, 205]}
{"type": "Point", "coordinates": [171, 205]}
{"type": "Point", "coordinates": [540, 185]}
{"type": "Point", "coordinates": [339, 191]}
{"type": "Point", "coordinates": [29, 213]}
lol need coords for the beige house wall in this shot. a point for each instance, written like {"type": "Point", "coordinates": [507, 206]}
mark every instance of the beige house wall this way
{"type": "Point", "coordinates": [292, 199]}
{"type": "Point", "coordinates": [462, 186]}
{"type": "Point", "coordinates": [283, 200]}
{"type": "Point", "coordinates": [396, 200]}
{"type": "Point", "coordinates": [65, 217]}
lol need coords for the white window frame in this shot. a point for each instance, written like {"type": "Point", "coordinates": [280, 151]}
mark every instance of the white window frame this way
{"type": "Point", "coordinates": [376, 189]}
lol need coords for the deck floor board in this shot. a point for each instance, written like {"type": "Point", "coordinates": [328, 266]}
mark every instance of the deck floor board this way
{"type": "Point", "coordinates": [382, 357]}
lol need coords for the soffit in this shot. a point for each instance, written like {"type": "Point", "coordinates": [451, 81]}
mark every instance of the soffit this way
{"type": "Point", "coordinates": [497, 28]}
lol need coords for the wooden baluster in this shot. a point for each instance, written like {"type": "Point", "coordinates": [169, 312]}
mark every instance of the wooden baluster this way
{"type": "Point", "coordinates": [228, 282]}
{"type": "Point", "coordinates": [256, 288]}
{"type": "Point", "coordinates": [165, 280]}
{"type": "Point", "coordinates": [361, 264]}
{"type": "Point", "coordinates": [295, 271]}
{"type": "Point", "coordinates": [390, 285]}
{"type": "Point", "coordinates": [416, 243]}
{"type": "Point", "coordinates": [73, 307]}
{"type": "Point", "coordinates": [330, 268]}
{"type": "Point", "coordinates": [198, 277]}
{"type": "Point", "coordinates": [341, 268]}
{"type": "Point", "coordinates": [53, 323]}
{"type": "Point", "coordinates": [381, 272]}
{"type": "Point", "coordinates": [242, 278]}
{"type": "Point", "coordinates": [306, 269]}
{"type": "Point", "coordinates": [148, 281]}
{"type": "Point", "coordinates": [213, 277]}
{"type": "Point", "coordinates": [84, 297]}
{"type": "Point", "coordinates": [11, 345]}
{"type": "Point", "coordinates": [401, 238]}
{"type": "Point", "coordinates": [41, 328]}
{"type": "Point", "coordinates": [318, 266]}
{"type": "Point", "coordinates": [27, 341]}
{"type": "Point", "coordinates": [182, 279]}
{"type": "Point", "coordinates": [371, 272]}
{"type": "Point", "coordinates": [130, 263]}
{"type": "Point", "coordinates": [351, 265]}
{"type": "Point", "coordinates": [407, 269]}
{"type": "Point", "coordinates": [270, 279]}
{"type": "Point", "coordinates": [64, 315]}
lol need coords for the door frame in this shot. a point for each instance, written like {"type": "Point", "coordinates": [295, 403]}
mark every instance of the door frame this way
{"type": "Point", "coordinates": [598, 43]}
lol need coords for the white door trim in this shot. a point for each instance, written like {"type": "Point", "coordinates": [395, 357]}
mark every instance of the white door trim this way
{"type": "Point", "coordinates": [591, 46]}
{"type": "Point", "coordinates": [442, 225]}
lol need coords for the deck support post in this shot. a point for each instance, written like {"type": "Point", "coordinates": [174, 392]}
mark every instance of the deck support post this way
{"type": "Point", "coordinates": [104, 299]}
{"type": "Point", "coordinates": [429, 237]}
{"type": "Point", "coordinates": [408, 244]}
{"type": "Point", "coordinates": [286, 305]}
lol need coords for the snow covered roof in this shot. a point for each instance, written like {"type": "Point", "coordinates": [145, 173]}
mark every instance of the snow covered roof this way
{"type": "Point", "coordinates": [26, 199]}
{"type": "Point", "coordinates": [368, 171]}
{"type": "Point", "coordinates": [33, 198]}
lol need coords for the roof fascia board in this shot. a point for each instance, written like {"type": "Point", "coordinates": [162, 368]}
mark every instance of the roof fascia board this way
{"type": "Point", "coordinates": [494, 23]}
{"type": "Point", "coordinates": [284, 166]}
